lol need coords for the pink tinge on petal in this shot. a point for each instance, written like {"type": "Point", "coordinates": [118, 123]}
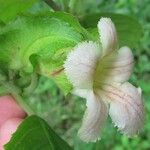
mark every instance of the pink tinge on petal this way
{"type": "Point", "coordinates": [108, 35]}
{"type": "Point", "coordinates": [116, 67]}
{"type": "Point", "coordinates": [7, 129]}
{"type": "Point", "coordinates": [126, 107]}
{"type": "Point", "coordinates": [120, 65]}
{"type": "Point", "coordinates": [94, 118]}
{"type": "Point", "coordinates": [10, 109]}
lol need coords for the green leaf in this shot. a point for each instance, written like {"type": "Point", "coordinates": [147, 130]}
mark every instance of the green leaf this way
{"type": "Point", "coordinates": [35, 133]}
{"type": "Point", "coordinates": [10, 8]}
{"type": "Point", "coordinates": [128, 29]}
{"type": "Point", "coordinates": [63, 83]}
{"type": "Point", "coordinates": [72, 20]}
{"type": "Point", "coordinates": [40, 43]}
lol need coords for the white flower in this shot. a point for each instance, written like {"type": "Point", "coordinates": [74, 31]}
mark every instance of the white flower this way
{"type": "Point", "coordinates": [99, 74]}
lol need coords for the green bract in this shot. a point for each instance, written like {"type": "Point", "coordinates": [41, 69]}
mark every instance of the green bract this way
{"type": "Point", "coordinates": [40, 43]}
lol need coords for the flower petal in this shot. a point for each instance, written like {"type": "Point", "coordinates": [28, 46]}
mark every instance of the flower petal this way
{"type": "Point", "coordinates": [108, 35]}
{"type": "Point", "coordinates": [126, 107]}
{"type": "Point", "coordinates": [80, 64]}
{"type": "Point", "coordinates": [116, 67]}
{"type": "Point", "coordinates": [94, 118]}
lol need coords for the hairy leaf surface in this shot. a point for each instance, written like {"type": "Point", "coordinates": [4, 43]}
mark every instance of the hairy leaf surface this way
{"type": "Point", "coordinates": [39, 43]}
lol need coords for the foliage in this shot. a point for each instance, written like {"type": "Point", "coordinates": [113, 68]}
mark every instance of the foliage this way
{"type": "Point", "coordinates": [126, 27]}
{"type": "Point", "coordinates": [10, 9]}
{"type": "Point", "coordinates": [33, 47]}
{"type": "Point", "coordinates": [39, 133]}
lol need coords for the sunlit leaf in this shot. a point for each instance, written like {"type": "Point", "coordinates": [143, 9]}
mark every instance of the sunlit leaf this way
{"type": "Point", "coordinates": [10, 8]}
{"type": "Point", "coordinates": [40, 43]}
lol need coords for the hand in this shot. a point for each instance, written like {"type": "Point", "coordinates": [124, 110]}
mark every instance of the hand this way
{"type": "Point", "coordinates": [11, 115]}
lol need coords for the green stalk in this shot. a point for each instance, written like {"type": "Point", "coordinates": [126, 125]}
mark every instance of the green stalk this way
{"type": "Point", "coordinates": [53, 5]}
{"type": "Point", "coordinates": [72, 4]}
{"type": "Point", "coordinates": [15, 92]}
{"type": "Point", "coordinates": [32, 86]}
{"type": "Point", "coordinates": [21, 102]}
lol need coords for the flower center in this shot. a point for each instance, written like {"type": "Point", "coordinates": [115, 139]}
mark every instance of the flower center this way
{"type": "Point", "coordinates": [103, 70]}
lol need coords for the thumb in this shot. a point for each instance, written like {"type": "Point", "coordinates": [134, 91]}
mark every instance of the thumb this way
{"type": "Point", "coordinates": [9, 109]}
{"type": "Point", "coordinates": [7, 129]}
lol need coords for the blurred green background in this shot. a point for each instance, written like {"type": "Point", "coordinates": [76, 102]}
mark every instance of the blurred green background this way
{"type": "Point", "coordinates": [65, 114]}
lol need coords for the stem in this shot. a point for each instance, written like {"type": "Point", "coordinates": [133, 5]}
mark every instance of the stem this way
{"type": "Point", "coordinates": [32, 86]}
{"type": "Point", "coordinates": [15, 92]}
{"type": "Point", "coordinates": [21, 102]}
{"type": "Point", "coordinates": [64, 5]}
{"type": "Point", "coordinates": [52, 4]}
{"type": "Point", "coordinates": [72, 6]}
